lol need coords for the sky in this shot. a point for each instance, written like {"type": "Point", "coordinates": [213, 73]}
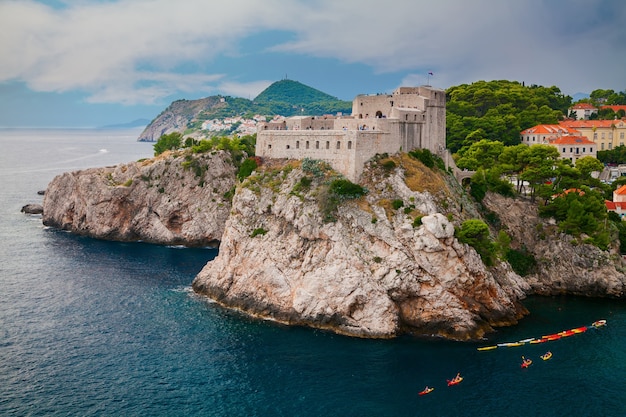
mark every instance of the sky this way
{"type": "Point", "coordinates": [89, 63]}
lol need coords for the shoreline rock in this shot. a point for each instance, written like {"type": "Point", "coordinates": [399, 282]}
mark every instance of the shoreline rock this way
{"type": "Point", "coordinates": [32, 209]}
{"type": "Point", "coordinates": [168, 200]}
{"type": "Point", "coordinates": [355, 276]}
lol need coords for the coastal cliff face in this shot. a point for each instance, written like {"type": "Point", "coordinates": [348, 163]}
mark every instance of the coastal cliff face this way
{"type": "Point", "coordinates": [373, 271]}
{"type": "Point", "coordinates": [563, 267]}
{"type": "Point", "coordinates": [380, 265]}
{"type": "Point", "coordinates": [170, 200]}
{"type": "Point", "coordinates": [176, 117]}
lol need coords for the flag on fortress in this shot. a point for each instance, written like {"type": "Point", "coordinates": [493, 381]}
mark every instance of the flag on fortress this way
{"type": "Point", "coordinates": [430, 73]}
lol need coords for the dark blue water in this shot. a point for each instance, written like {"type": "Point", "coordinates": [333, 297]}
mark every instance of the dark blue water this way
{"type": "Point", "coordinates": [93, 328]}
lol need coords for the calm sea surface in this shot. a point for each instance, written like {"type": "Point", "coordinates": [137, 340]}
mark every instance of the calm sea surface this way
{"type": "Point", "coordinates": [93, 328]}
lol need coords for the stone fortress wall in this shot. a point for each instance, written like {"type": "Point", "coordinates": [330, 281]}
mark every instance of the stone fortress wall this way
{"type": "Point", "coordinates": [410, 118]}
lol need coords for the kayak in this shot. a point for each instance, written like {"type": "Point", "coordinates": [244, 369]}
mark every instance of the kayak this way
{"type": "Point", "coordinates": [546, 356]}
{"type": "Point", "coordinates": [426, 391]}
{"type": "Point", "coordinates": [547, 338]}
{"type": "Point", "coordinates": [455, 381]}
{"type": "Point", "coordinates": [510, 344]}
{"type": "Point", "coordinates": [487, 348]}
{"type": "Point", "coordinates": [526, 363]}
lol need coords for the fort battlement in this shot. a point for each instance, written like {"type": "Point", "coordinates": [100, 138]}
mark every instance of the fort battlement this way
{"type": "Point", "coordinates": [410, 118]}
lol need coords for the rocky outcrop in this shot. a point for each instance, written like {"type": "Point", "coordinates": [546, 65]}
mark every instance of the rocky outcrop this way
{"type": "Point", "coordinates": [32, 209]}
{"type": "Point", "coordinates": [563, 266]}
{"type": "Point", "coordinates": [177, 116]}
{"type": "Point", "coordinates": [170, 200]}
{"type": "Point", "coordinates": [292, 251]}
{"type": "Point", "coordinates": [374, 271]}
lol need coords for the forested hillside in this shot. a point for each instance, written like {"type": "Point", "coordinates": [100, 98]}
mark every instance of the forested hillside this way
{"type": "Point", "coordinates": [499, 110]}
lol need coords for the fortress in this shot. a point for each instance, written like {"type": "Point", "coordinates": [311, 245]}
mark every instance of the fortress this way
{"type": "Point", "coordinates": [410, 118]}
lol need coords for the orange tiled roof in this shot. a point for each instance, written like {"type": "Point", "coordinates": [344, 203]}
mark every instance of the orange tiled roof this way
{"type": "Point", "coordinates": [585, 106]}
{"type": "Point", "coordinates": [550, 130]}
{"type": "Point", "coordinates": [615, 107]}
{"type": "Point", "coordinates": [612, 205]}
{"type": "Point", "coordinates": [577, 124]}
{"type": "Point", "coordinates": [621, 190]}
{"type": "Point", "coordinates": [571, 140]}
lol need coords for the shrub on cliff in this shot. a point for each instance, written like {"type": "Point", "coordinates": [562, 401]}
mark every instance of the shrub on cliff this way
{"type": "Point", "coordinates": [346, 189]}
{"type": "Point", "coordinates": [246, 168]}
{"type": "Point", "coordinates": [168, 142]}
{"type": "Point", "coordinates": [475, 233]}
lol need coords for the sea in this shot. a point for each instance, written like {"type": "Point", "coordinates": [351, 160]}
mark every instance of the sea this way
{"type": "Point", "coordinates": [99, 328]}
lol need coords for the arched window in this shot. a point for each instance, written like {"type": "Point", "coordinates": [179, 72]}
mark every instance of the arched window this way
{"type": "Point", "coordinates": [327, 145]}
{"type": "Point", "coordinates": [349, 144]}
{"type": "Point", "coordinates": [317, 144]}
{"type": "Point", "coordinates": [297, 144]}
{"type": "Point", "coordinates": [307, 144]}
{"type": "Point", "coordinates": [287, 146]}
{"type": "Point", "coordinates": [338, 145]}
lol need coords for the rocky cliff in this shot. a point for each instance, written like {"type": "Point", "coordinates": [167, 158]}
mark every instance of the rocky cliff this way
{"type": "Point", "coordinates": [177, 116]}
{"type": "Point", "coordinates": [293, 251]}
{"type": "Point", "coordinates": [370, 271]}
{"type": "Point", "coordinates": [170, 200]}
{"type": "Point", "coordinates": [563, 266]}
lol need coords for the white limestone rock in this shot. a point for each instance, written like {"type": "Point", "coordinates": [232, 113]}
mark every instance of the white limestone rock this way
{"type": "Point", "coordinates": [156, 201]}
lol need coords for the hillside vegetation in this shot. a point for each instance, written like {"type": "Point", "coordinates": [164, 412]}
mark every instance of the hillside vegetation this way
{"type": "Point", "coordinates": [285, 98]}
{"type": "Point", "coordinates": [499, 110]}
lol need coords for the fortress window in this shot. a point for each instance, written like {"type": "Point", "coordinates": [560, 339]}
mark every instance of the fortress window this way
{"type": "Point", "coordinates": [338, 145]}
{"type": "Point", "coordinates": [327, 145]}
{"type": "Point", "coordinates": [307, 144]}
{"type": "Point", "coordinates": [391, 103]}
{"type": "Point", "coordinates": [287, 146]}
{"type": "Point", "coordinates": [297, 144]}
{"type": "Point", "coordinates": [415, 118]}
{"type": "Point", "coordinates": [269, 146]}
{"type": "Point", "coordinates": [406, 117]}
{"type": "Point", "coordinates": [349, 144]}
{"type": "Point", "coordinates": [379, 114]}
{"type": "Point", "coordinates": [317, 144]}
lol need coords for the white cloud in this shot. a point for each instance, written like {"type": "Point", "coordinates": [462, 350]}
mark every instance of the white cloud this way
{"type": "Point", "coordinates": [132, 51]}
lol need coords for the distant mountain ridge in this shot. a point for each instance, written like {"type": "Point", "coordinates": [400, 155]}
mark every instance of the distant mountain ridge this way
{"type": "Point", "coordinates": [284, 97]}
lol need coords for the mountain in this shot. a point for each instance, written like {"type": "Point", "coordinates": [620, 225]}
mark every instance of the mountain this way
{"type": "Point", "coordinates": [292, 92]}
{"type": "Point", "coordinates": [579, 96]}
{"type": "Point", "coordinates": [285, 98]}
{"type": "Point", "coordinates": [134, 123]}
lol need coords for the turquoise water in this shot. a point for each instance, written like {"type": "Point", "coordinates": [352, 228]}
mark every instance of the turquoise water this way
{"type": "Point", "coordinates": [94, 328]}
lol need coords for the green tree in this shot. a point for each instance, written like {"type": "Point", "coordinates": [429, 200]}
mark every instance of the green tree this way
{"type": "Point", "coordinates": [481, 154]}
{"type": "Point", "coordinates": [588, 164]}
{"type": "Point", "coordinates": [538, 167]}
{"type": "Point", "coordinates": [168, 142]}
{"type": "Point", "coordinates": [475, 233]}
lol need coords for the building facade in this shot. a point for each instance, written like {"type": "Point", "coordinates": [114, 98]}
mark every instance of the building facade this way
{"type": "Point", "coordinates": [606, 134]}
{"type": "Point", "coordinates": [582, 111]}
{"type": "Point", "coordinates": [410, 118]}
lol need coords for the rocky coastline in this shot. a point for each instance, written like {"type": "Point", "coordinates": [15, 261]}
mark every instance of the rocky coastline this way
{"type": "Point", "coordinates": [372, 270]}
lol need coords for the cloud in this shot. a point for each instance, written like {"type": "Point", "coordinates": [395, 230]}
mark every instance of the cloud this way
{"type": "Point", "coordinates": [141, 51]}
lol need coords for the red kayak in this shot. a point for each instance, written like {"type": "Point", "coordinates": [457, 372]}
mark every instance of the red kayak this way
{"type": "Point", "coordinates": [426, 390]}
{"type": "Point", "coordinates": [456, 380]}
